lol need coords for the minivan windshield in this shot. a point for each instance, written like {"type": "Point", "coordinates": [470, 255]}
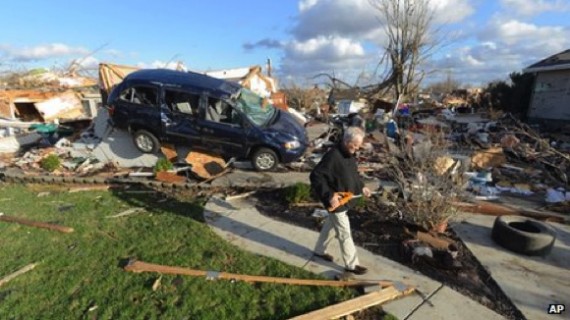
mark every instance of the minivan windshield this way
{"type": "Point", "coordinates": [257, 110]}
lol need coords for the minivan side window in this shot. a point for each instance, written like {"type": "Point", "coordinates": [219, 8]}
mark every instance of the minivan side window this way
{"type": "Point", "coordinates": [222, 112]}
{"type": "Point", "coordinates": [140, 95]}
{"type": "Point", "coordinates": [181, 101]}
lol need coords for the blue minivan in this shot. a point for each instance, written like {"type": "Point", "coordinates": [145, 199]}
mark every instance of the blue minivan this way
{"type": "Point", "coordinates": [207, 114]}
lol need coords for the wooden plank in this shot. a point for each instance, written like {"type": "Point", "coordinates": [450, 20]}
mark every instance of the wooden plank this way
{"type": "Point", "coordinates": [204, 165]}
{"type": "Point", "coordinates": [240, 196]}
{"type": "Point", "coordinates": [435, 242]}
{"type": "Point", "coordinates": [36, 224]}
{"type": "Point", "coordinates": [351, 306]}
{"type": "Point", "coordinates": [166, 176]}
{"type": "Point", "coordinates": [169, 152]}
{"type": "Point", "coordinates": [493, 209]}
{"type": "Point", "coordinates": [90, 188]}
{"type": "Point", "coordinates": [140, 266]}
{"type": "Point", "coordinates": [23, 270]}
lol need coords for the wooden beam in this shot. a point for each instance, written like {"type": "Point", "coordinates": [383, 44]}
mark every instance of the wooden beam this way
{"type": "Point", "coordinates": [139, 266]}
{"type": "Point", "coordinates": [494, 209]}
{"type": "Point", "coordinates": [23, 270]}
{"type": "Point", "coordinates": [36, 224]}
{"type": "Point", "coordinates": [351, 306]}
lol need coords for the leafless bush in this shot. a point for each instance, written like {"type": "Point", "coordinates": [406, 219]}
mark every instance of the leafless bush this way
{"type": "Point", "coordinates": [429, 180]}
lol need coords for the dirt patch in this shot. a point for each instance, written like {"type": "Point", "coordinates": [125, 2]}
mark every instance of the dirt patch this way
{"type": "Point", "coordinates": [379, 230]}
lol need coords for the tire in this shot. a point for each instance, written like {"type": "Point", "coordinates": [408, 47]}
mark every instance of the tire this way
{"type": "Point", "coordinates": [146, 142]}
{"type": "Point", "coordinates": [264, 159]}
{"type": "Point", "coordinates": [523, 235]}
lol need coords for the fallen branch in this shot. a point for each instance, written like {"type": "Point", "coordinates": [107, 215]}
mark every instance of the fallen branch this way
{"type": "Point", "coordinates": [139, 266]}
{"type": "Point", "coordinates": [351, 306]}
{"type": "Point", "coordinates": [23, 270]}
{"type": "Point", "coordinates": [36, 224]}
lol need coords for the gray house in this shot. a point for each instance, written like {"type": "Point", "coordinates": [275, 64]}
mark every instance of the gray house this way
{"type": "Point", "coordinates": [550, 101]}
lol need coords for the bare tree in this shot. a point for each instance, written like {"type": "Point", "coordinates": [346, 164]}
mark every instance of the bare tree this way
{"type": "Point", "coordinates": [411, 40]}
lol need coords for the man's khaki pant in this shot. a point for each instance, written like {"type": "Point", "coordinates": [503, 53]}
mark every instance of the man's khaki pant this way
{"type": "Point", "coordinates": [341, 226]}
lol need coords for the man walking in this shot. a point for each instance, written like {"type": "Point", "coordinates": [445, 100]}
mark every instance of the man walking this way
{"type": "Point", "coordinates": [338, 172]}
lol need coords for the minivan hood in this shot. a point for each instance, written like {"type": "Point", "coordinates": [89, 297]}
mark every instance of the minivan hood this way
{"type": "Point", "coordinates": [285, 125]}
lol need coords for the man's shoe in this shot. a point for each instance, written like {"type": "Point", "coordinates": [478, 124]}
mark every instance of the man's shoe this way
{"type": "Point", "coordinates": [325, 256]}
{"type": "Point", "coordinates": [359, 270]}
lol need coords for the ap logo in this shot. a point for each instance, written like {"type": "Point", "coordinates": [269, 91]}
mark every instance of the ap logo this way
{"type": "Point", "coordinates": [556, 308]}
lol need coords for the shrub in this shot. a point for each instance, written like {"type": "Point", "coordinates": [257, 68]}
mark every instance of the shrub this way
{"type": "Point", "coordinates": [163, 164]}
{"type": "Point", "coordinates": [427, 187]}
{"type": "Point", "coordinates": [50, 163]}
{"type": "Point", "coordinates": [361, 202]}
{"type": "Point", "coordinates": [298, 192]}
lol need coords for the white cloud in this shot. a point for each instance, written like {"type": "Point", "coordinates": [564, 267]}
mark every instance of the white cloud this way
{"type": "Point", "coordinates": [527, 37]}
{"type": "Point", "coordinates": [158, 64]}
{"type": "Point", "coordinates": [451, 11]}
{"type": "Point", "coordinates": [503, 47]}
{"type": "Point", "coordinates": [304, 5]}
{"type": "Point", "coordinates": [360, 19]}
{"type": "Point", "coordinates": [90, 63]}
{"type": "Point", "coordinates": [41, 52]}
{"type": "Point", "coordinates": [345, 36]}
{"type": "Point", "coordinates": [328, 48]}
{"type": "Point", "coordinates": [535, 7]}
{"type": "Point", "coordinates": [307, 58]}
{"type": "Point", "coordinates": [351, 18]}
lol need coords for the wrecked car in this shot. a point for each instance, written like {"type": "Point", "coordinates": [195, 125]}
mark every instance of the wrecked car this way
{"type": "Point", "coordinates": [207, 114]}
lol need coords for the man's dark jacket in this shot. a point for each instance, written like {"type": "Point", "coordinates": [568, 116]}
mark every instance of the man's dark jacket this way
{"type": "Point", "coordinates": [337, 172]}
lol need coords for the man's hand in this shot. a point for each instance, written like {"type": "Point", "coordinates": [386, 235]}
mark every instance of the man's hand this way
{"type": "Point", "coordinates": [335, 200]}
{"type": "Point", "coordinates": [366, 192]}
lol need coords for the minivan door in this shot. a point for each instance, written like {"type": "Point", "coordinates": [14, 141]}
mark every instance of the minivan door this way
{"type": "Point", "coordinates": [223, 132]}
{"type": "Point", "coordinates": [179, 115]}
{"type": "Point", "coordinates": [137, 107]}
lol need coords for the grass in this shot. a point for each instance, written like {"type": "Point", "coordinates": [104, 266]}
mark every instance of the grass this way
{"type": "Point", "coordinates": [80, 275]}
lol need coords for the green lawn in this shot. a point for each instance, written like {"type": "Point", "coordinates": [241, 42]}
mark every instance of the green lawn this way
{"type": "Point", "coordinates": [80, 275]}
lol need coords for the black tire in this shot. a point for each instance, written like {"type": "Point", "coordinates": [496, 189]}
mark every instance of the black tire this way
{"type": "Point", "coordinates": [145, 141]}
{"type": "Point", "coordinates": [523, 235]}
{"type": "Point", "coordinates": [264, 159]}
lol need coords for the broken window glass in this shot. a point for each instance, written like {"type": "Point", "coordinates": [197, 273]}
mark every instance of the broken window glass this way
{"type": "Point", "coordinates": [140, 95]}
{"type": "Point", "coordinates": [181, 101]}
{"type": "Point", "coordinates": [255, 108]}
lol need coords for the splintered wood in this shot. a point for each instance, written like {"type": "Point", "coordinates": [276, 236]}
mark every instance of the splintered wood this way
{"type": "Point", "coordinates": [205, 166]}
{"type": "Point", "coordinates": [351, 306]}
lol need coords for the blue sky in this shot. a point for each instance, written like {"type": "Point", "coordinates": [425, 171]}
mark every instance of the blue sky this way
{"type": "Point", "coordinates": [491, 38]}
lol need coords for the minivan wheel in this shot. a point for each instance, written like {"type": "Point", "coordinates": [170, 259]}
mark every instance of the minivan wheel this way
{"type": "Point", "coordinates": [145, 141]}
{"type": "Point", "coordinates": [264, 159]}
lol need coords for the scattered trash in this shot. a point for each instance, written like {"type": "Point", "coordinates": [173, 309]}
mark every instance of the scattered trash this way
{"type": "Point", "coordinates": [555, 196]}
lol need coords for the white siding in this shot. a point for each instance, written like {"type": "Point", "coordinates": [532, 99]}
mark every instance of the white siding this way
{"type": "Point", "coordinates": [551, 96]}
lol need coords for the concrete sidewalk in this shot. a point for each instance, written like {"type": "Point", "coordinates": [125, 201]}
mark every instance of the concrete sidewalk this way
{"type": "Point", "coordinates": [242, 225]}
{"type": "Point", "coordinates": [532, 283]}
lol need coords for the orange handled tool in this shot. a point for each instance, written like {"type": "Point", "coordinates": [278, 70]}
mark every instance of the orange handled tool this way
{"type": "Point", "coordinates": [345, 197]}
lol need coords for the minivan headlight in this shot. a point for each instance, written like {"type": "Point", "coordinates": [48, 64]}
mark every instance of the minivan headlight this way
{"type": "Point", "coordinates": [292, 145]}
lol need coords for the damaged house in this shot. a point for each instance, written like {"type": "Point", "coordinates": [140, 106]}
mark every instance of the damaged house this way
{"type": "Point", "coordinates": [551, 91]}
